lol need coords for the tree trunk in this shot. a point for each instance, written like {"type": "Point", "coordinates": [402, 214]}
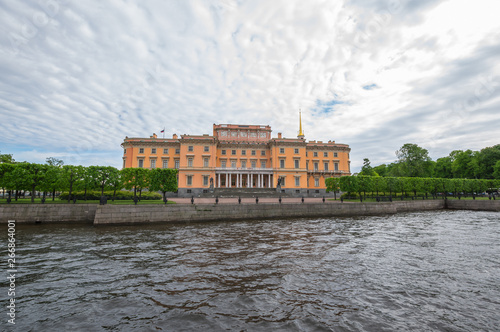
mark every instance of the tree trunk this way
{"type": "Point", "coordinates": [53, 194]}
{"type": "Point", "coordinates": [114, 195]}
{"type": "Point", "coordinates": [33, 194]}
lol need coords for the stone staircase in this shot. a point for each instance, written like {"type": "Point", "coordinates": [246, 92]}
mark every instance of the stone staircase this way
{"type": "Point", "coordinates": [244, 192]}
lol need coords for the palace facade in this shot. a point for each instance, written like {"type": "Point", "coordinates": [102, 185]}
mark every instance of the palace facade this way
{"type": "Point", "coordinates": [241, 156]}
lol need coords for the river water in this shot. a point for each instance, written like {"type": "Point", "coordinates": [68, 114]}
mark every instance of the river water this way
{"type": "Point", "coordinates": [426, 271]}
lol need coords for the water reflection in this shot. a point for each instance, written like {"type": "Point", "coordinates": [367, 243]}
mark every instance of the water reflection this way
{"type": "Point", "coordinates": [432, 270]}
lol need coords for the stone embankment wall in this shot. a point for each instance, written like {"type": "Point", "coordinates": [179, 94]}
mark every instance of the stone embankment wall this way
{"type": "Point", "coordinates": [48, 213]}
{"type": "Point", "coordinates": [135, 214]}
{"type": "Point", "coordinates": [478, 205]}
{"type": "Point", "coordinates": [115, 214]}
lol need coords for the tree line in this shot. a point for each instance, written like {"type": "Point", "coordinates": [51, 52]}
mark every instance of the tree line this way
{"type": "Point", "coordinates": [362, 184]}
{"type": "Point", "coordinates": [414, 161]}
{"type": "Point", "coordinates": [54, 177]}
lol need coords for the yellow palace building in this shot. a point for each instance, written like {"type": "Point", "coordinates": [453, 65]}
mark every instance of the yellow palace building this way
{"type": "Point", "coordinates": [241, 156]}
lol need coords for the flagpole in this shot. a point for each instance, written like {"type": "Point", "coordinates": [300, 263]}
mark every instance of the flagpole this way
{"type": "Point", "coordinates": [163, 132]}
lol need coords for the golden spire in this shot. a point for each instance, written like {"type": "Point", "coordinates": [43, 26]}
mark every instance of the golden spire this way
{"type": "Point", "coordinates": [301, 133]}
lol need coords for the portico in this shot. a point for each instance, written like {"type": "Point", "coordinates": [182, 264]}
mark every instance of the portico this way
{"type": "Point", "coordinates": [244, 177]}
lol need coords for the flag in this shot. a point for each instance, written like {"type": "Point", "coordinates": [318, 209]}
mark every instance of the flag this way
{"type": "Point", "coordinates": [162, 131]}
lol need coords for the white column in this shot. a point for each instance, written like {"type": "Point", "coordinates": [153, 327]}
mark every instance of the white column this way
{"type": "Point", "coordinates": [248, 180]}
{"type": "Point", "coordinates": [269, 181]}
{"type": "Point", "coordinates": [218, 178]}
{"type": "Point", "coordinates": [258, 180]}
{"type": "Point", "coordinates": [238, 178]}
{"type": "Point", "coordinates": [251, 180]}
{"type": "Point", "coordinates": [227, 180]}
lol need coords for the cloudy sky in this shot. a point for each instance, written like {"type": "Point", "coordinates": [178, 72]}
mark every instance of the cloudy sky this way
{"type": "Point", "coordinates": [79, 76]}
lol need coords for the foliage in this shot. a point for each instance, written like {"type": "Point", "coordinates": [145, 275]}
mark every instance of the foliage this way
{"type": "Point", "coordinates": [367, 170]}
{"type": "Point", "coordinates": [413, 161]}
{"type": "Point", "coordinates": [120, 195]}
{"type": "Point", "coordinates": [163, 179]}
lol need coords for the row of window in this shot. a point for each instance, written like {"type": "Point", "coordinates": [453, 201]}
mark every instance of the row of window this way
{"type": "Point", "coordinates": [244, 152]}
{"type": "Point", "coordinates": [152, 163]}
{"type": "Point", "coordinates": [233, 152]}
{"type": "Point", "coordinates": [253, 164]}
{"type": "Point", "coordinates": [315, 153]}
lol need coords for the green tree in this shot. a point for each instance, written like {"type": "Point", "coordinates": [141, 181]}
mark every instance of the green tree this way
{"type": "Point", "coordinates": [496, 170]}
{"type": "Point", "coordinates": [465, 164]}
{"type": "Point", "coordinates": [415, 184]}
{"type": "Point", "coordinates": [365, 183]}
{"type": "Point", "coordinates": [115, 181]}
{"type": "Point", "coordinates": [367, 170]}
{"type": "Point", "coordinates": [487, 159]}
{"type": "Point", "coordinates": [348, 184]}
{"type": "Point", "coordinates": [54, 161]}
{"type": "Point", "coordinates": [381, 170]}
{"type": "Point", "coordinates": [100, 176]}
{"type": "Point", "coordinates": [31, 176]}
{"type": "Point", "coordinates": [6, 158]}
{"type": "Point", "coordinates": [442, 169]}
{"type": "Point", "coordinates": [135, 178]}
{"type": "Point", "coordinates": [52, 180]}
{"type": "Point", "coordinates": [164, 180]}
{"type": "Point", "coordinates": [70, 178]}
{"type": "Point", "coordinates": [6, 177]}
{"type": "Point", "coordinates": [414, 161]}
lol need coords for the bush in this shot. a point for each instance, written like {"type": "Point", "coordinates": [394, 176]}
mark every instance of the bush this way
{"type": "Point", "coordinates": [120, 195]}
{"type": "Point", "coordinates": [350, 196]}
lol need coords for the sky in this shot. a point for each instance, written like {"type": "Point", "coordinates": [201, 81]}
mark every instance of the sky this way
{"type": "Point", "coordinates": [79, 76]}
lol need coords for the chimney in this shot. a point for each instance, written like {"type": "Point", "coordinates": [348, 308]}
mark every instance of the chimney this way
{"type": "Point", "coordinates": [154, 135]}
{"type": "Point", "coordinates": [279, 135]}
{"type": "Point", "coordinates": [174, 136]}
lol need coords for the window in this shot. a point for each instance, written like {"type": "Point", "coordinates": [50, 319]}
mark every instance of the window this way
{"type": "Point", "coordinates": [306, 153]}
{"type": "Point", "coordinates": [190, 148]}
{"type": "Point", "coordinates": [189, 180]}
{"type": "Point", "coordinates": [254, 164]}
{"type": "Point", "coordinates": [325, 154]}
{"type": "Point", "coordinates": [205, 180]}
{"type": "Point", "coordinates": [141, 163]}
{"type": "Point", "coordinates": [297, 181]}
{"type": "Point", "coordinates": [282, 150]}
{"type": "Point", "coordinates": [297, 163]}
{"type": "Point", "coordinates": [335, 154]}
{"type": "Point", "coordinates": [177, 151]}
{"type": "Point", "coordinates": [177, 164]}
{"type": "Point", "coordinates": [263, 152]}
{"type": "Point", "coordinates": [141, 150]}
{"type": "Point", "coordinates": [282, 180]}
{"type": "Point", "coordinates": [326, 166]}
{"type": "Point", "coordinates": [205, 162]}
{"type": "Point", "coordinates": [254, 153]}
{"type": "Point", "coordinates": [233, 163]}
{"type": "Point", "coordinates": [153, 150]}
{"type": "Point", "coordinates": [315, 154]}
{"type": "Point", "coordinates": [263, 164]}
{"type": "Point", "coordinates": [296, 151]}
{"type": "Point", "coordinates": [123, 163]}
{"type": "Point", "coordinates": [336, 166]}
{"type": "Point", "coordinates": [282, 163]}
{"type": "Point", "coordinates": [190, 162]}
{"type": "Point", "coordinates": [153, 163]}
{"type": "Point", "coordinates": [316, 166]}
{"type": "Point", "coordinates": [243, 152]}
{"type": "Point", "coordinates": [124, 151]}
{"type": "Point", "coordinates": [223, 152]}
{"type": "Point", "coordinates": [316, 182]}
{"type": "Point", "coordinates": [223, 164]}
{"type": "Point", "coordinates": [165, 163]}
{"type": "Point", "coordinates": [165, 151]}
{"type": "Point", "coordinates": [206, 148]}
{"type": "Point", "coordinates": [244, 164]}
{"type": "Point", "coordinates": [233, 152]}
